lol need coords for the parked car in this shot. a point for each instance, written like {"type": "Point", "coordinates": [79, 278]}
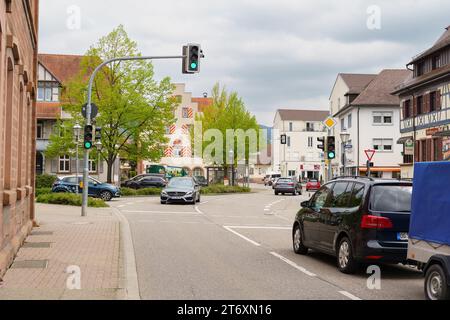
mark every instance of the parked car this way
{"type": "Point", "coordinates": [201, 181]}
{"type": "Point", "coordinates": [312, 185]}
{"type": "Point", "coordinates": [97, 189]}
{"type": "Point", "coordinates": [357, 220]}
{"type": "Point", "coordinates": [288, 185]}
{"type": "Point", "coordinates": [145, 181]}
{"type": "Point", "coordinates": [184, 190]}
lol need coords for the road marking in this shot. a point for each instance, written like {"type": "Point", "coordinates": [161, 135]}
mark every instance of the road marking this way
{"type": "Point", "coordinates": [350, 296]}
{"type": "Point", "coordinates": [122, 206]}
{"type": "Point", "coordinates": [259, 228]}
{"type": "Point", "coordinates": [293, 264]}
{"type": "Point", "coordinates": [198, 210]}
{"type": "Point", "coordinates": [161, 212]}
{"type": "Point", "coordinates": [242, 237]}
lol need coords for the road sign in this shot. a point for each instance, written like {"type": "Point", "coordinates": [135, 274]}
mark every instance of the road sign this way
{"type": "Point", "coordinates": [370, 154]}
{"type": "Point", "coordinates": [94, 111]}
{"type": "Point", "coordinates": [330, 123]}
{"type": "Point", "coordinates": [409, 148]}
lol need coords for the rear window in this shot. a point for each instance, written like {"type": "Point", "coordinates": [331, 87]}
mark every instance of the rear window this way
{"type": "Point", "coordinates": [391, 198]}
{"type": "Point", "coordinates": [276, 176]}
{"type": "Point", "coordinates": [285, 180]}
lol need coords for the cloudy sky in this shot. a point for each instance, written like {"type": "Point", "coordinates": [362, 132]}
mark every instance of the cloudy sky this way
{"type": "Point", "coordinates": [274, 53]}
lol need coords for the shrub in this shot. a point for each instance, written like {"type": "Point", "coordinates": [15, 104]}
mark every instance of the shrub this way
{"type": "Point", "coordinates": [127, 192]}
{"type": "Point", "coordinates": [69, 199]}
{"type": "Point", "coordinates": [222, 189]}
{"type": "Point", "coordinates": [42, 191]}
{"type": "Point", "coordinates": [45, 181]}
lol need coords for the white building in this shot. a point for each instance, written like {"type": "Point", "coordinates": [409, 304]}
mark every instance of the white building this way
{"type": "Point", "coordinates": [365, 110]}
{"type": "Point", "coordinates": [300, 156]}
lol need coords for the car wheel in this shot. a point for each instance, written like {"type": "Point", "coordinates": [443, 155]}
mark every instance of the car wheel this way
{"type": "Point", "coordinates": [106, 196]}
{"type": "Point", "coordinates": [346, 261]}
{"type": "Point", "coordinates": [436, 287]}
{"type": "Point", "coordinates": [199, 199]}
{"type": "Point", "coordinates": [297, 238]}
{"type": "Point", "coordinates": [163, 202]}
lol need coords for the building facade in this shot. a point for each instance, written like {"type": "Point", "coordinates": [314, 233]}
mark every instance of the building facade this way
{"type": "Point", "coordinates": [54, 70]}
{"type": "Point", "coordinates": [425, 105]}
{"type": "Point", "coordinates": [366, 111]}
{"type": "Point", "coordinates": [18, 61]}
{"type": "Point", "coordinates": [180, 152]}
{"type": "Point", "coordinates": [299, 157]}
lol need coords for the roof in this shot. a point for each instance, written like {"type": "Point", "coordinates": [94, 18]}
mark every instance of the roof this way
{"type": "Point", "coordinates": [411, 82]}
{"type": "Point", "coordinates": [303, 115]}
{"type": "Point", "coordinates": [357, 82]}
{"type": "Point", "coordinates": [203, 103]}
{"type": "Point", "coordinates": [62, 67]}
{"type": "Point", "coordinates": [378, 92]}
{"type": "Point", "coordinates": [442, 42]}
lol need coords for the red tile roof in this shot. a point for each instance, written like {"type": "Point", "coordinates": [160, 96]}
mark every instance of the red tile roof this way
{"type": "Point", "coordinates": [303, 115]}
{"type": "Point", "coordinates": [63, 67]}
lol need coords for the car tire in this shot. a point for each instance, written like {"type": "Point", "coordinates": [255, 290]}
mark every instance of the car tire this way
{"type": "Point", "coordinates": [199, 199]}
{"type": "Point", "coordinates": [163, 202]}
{"type": "Point", "coordinates": [106, 196]}
{"type": "Point", "coordinates": [297, 241]}
{"type": "Point", "coordinates": [276, 193]}
{"type": "Point", "coordinates": [345, 259]}
{"type": "Point", "coordinates": [436, 287]}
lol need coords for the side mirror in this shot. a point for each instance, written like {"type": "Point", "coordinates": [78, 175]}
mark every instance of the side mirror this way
{"type": "Point", "coordinates": [305, 204]}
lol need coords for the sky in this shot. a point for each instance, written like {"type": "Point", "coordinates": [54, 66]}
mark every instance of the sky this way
{"type": "Point", "coordinates": [274, 53]}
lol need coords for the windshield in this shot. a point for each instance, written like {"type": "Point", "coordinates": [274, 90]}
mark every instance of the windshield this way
{"type": "Point", "coordinates": [181, 183]}
{"type": "Point", "coordinates": [392, 198]}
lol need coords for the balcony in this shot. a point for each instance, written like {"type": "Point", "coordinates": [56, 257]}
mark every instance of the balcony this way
{"type": "Point", "coordinates": [48, 110]}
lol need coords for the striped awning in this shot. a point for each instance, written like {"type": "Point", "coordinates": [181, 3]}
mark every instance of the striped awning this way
{"type": "Point", "coordinates": [403, 140]}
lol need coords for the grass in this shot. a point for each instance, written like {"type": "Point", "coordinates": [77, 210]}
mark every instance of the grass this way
{"type": "Point", "coordinates": [222, 189]}
{"type": "Point", "coordinates": [69, 199]}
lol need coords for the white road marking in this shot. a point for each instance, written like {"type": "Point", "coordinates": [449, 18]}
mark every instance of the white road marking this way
{"type": "Point", "coordinates": [122, 206]}
{"type": "Point", "coordinates": [259, 227]}
{"type": "Point", "coordinates": [293, 264]}
{"type": "Point", "coordinates": [350, 296]}
{"type": "Point", "coordinates": [198, 210]}
{"type": "Point", "coordinates": [242, 237]}
{"type": "Point", "coordinates": [161, 212]}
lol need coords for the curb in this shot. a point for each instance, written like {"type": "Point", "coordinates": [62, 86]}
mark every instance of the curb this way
{"type": "Point", "coordinates": [131, 278]}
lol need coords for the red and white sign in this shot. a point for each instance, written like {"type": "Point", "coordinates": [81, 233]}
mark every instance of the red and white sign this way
{"type": "Point", "coordinates": [370, 154]}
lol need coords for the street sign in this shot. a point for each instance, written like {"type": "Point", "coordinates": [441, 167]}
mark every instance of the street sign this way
{"type": "Point", "coordinates": [94, 111]}
{"type": "Point", "coordinates": [370, 154]}
{"type": "Point", "coordinates": [330, 123]}
{"type": "Point", "coordinates": [409, 148]}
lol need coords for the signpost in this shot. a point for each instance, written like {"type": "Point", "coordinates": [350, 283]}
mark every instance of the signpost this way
{"type": "Point", "coordinates": [370, 154]}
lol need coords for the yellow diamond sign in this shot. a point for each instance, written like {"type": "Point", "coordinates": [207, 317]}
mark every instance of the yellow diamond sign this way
{"type": "Point", "coordinates": [330, 123]}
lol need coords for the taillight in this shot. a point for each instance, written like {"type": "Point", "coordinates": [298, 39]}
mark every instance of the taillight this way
{"type": "Point", "coordinates": [375, 222]}
{"type": "Point", "coordinates": [291, 184]}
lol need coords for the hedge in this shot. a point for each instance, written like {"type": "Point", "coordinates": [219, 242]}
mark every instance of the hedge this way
{"type": "Point", "coordinates": [222, 189]}
{"type": "Point", "coordinates": [127, 192]}
{"type": "Point", "coordinates": [69, 199]}
{"type": "Point", "coordinates": [45, 181]}
{"type": "Point", "coordinates": [42, 191]}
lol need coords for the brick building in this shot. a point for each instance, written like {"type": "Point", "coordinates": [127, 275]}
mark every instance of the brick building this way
{"type": "Point", "coordinates": [18, 61]}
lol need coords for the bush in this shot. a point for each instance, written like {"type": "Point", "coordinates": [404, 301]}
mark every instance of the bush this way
{"type": "Point", "coordinates": [42, 191]}
{"type": "Point", "coordinates": [45, 181]}
{"type": "Point", "coordinates": [127, 192]}
{"type": "Point", "coordinates": [222, 189]}
{"type": "Point", "coordinates": [69, 199]}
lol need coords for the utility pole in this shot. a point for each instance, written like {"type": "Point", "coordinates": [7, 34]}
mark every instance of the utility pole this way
{"type": "Point", "coordinates": [190, 66]}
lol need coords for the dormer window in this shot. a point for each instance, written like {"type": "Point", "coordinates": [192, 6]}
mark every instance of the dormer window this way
{"type": "Point", "coordinates": [436, 64]}
{"type": "Point", "coordinates": [48, 86]}
{"type": "Point", "coordinates": [420, 68]}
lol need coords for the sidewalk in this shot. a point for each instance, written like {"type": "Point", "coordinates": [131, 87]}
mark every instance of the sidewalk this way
{"type": "Point", "coordinates": [65, 239]}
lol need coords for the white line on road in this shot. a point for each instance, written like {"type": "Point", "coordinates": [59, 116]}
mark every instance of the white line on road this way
{"type": "Point", "coordinates": [350, 296]}
{"type": "Point", "coordinates": [242, 237]}
{"type": "Point", "coordinates": [293, 264]}
{"type": "Point", "coordinates": [198, 210]}
{"type": "Point", "coordinates": [161, 212]}
{"type": "Point", "coordinates": [259, 227]}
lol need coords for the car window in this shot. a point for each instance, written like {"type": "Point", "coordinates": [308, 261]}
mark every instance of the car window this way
{"type": "Point", "coordinates": [285, 181]}
{"type": "Point", "coordinates": [340, 195]}
{"type": "Point", "coordinates": [181, 183]}
{"type": "Point", "coordinates": [72, 180]}
{"type": "Point", "coordinates": [357, 195]}
{"type": "Point", "coordinates": [320, 198]}
{"type": "Point", "coordinates": [391, 198]}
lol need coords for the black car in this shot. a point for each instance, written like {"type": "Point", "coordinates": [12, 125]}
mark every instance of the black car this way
{"type": "Point", "coordinates": [97, 189]}
{"type": "Point", "coordinates": [145, 181]}
{"type": "Point", "coordinates": [181, 190]}
{"type": "Point", "coordinates": [357, 220]}
{"type": "Point", "coordinates": [201, 181]}
{"type": "Point", "coordinates": [287, 185]}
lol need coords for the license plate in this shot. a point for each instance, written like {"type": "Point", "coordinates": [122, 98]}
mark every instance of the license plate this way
{"type": "Point", "coordinates": [177, 198]}
{"type": "Point", "coordinates": [403, 236]}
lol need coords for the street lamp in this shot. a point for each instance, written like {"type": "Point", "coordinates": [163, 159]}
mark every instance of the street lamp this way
{"type": "Point", "coordinates": [76, 133]}
{"type": "Point", "coordinates": [345, 137]}
{"type": "Point", "coordinates": [232, 167]}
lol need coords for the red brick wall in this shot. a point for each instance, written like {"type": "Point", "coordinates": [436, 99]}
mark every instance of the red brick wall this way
{"type": "Point", "coordinates": [18, 61]}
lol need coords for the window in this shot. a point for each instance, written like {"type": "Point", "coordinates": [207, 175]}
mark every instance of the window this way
{"type": "Point", "coordinates": [391, 198]}
{"type": "Point", "coordinates": [291, 126]}
{"type": "Point", "coordinates": [289, 142]}
{"type": "Point", "coordinates": [420, 105]}
{"type": "Point", "coordinates": [40, 130]}
{"type": "Point", "coordinates": [341, 194]}
{"type": "Point", "coordinates": [92, 165]}
{"type": "Point", "coordinates": [383, 144]}
{"type": "Point", "coordinates": [343, 128]}
{"type": "Point", "coordinates": [350, 121]}
{"type": "Point", "coordinates": [310, 142]}
{"type": "Point", "coordinates": [420, 68]}
{"type": "Point", "coordinates": [292, 173]}
{"type": "Point", "coordinates": [48, 91]}
{"type": "Point", "coordinates": [320, 198]}
{"type": "Point", "coordinates": [357, 195]}
{"type": "Point", "coordinates": [407, 109]}
{"type": "Point", "coordinates": [436, 62]}
{"type": "Point", "coordinates": [433, 101]}
{"type": "Point", "coordinates": [185, 113]}
{"type": "Point", "coordinates": [64, 164]}
{"type": "Point", "coordinates": [310, 127]}
{"type": "Point", "coordinates": [383, 118]}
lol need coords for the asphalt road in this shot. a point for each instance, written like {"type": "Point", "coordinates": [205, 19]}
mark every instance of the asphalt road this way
{"type": "Point", "coordinates": [239, 247]}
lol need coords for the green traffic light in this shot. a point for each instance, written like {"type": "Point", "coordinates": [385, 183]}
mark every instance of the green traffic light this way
{"type": "Point", "coordinates": [88, 145]}
{"type": "Point", "coordinates": [194, 65]}
{"type": "Point", "coordinates": [331, 155]}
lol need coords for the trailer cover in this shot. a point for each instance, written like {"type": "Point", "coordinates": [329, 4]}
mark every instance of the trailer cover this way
{"type": "Point", "coordinates": [430, 218]}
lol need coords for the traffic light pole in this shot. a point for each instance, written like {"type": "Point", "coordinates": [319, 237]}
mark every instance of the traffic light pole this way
{"type": "Point", "coordinates": [89, 120]}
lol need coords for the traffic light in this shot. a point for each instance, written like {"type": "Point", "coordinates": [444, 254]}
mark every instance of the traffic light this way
{"type": "Point", "coordinates": [192, 54]}
{"type": "Point", "coordinates": [321, 146]}
{"type": "Point", "coordinates": [331, 148]}
{"type": "Point", "coordinates": [88, 143]}
{"type": "Point", "coordinates": [98, 134]}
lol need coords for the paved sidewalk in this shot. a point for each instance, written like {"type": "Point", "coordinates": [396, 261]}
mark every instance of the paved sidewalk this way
{"type": "Point", "coordinates": [64, 240]}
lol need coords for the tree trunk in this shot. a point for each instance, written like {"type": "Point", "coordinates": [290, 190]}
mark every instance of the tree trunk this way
{"type": "Point", "coordinates": [110, 171]}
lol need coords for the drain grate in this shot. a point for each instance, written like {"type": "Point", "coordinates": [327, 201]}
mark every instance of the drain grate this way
{"type": "Point", "coordinates": [30, 264]}
{"type": "Point", "coordinates": [37, 245]}
{"type": "Point", "coordinates": [42, 233]}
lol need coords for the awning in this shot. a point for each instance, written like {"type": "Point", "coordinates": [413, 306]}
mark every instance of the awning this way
{"type": "Point", "coordinates": [379, 169]}
{"type": "Point", "coordinates": [403, 140]}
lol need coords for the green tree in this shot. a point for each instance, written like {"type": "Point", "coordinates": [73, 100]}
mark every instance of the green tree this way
{"type": "Point", "coordinates": [134, 109]}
